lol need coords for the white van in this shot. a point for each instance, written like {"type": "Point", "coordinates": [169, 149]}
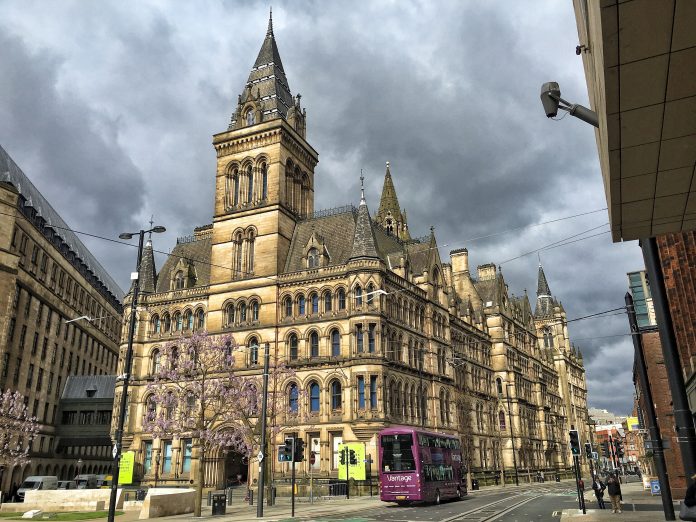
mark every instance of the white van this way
{"type": "Point", "coordinates": [37, 482]}
{"type": "Point", "coordinates": [86, 481]}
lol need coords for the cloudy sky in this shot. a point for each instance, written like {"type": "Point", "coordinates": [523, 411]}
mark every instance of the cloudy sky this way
{"type": "Point", "coordinates": [109, 107]}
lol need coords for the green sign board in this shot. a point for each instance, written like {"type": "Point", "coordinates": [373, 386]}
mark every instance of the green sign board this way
{"type": "Point", "coordinates": [356, 470]}
{"type": "Point", "coordinates": [125, 472]}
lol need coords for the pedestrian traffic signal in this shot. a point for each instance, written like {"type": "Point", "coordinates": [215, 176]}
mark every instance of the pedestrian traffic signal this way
{"type": "Point", "coordinates": [299, 450]}
{"type": "Point", "coordinates": [353, 459]}
{"type": "Point", "coordinates": [588, 450]}
{"type": "Point", "coordinates": [605, 449]}
{"type": "Point", "coordinates": [574, 442]}
{"type": "Point", "coordinates": [342, 457]}
{"type": "Point", "coordinates": [289, 442]}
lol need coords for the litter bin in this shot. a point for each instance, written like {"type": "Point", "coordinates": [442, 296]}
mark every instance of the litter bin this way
{"type": "Point", "coordinates": [558, 477]}
{"type": "Point", "coordinates": [140, 494]}
{"type": "Point", "coordinates": [474, 485]}
{"type": "Point", "coordinates": [219, 501]}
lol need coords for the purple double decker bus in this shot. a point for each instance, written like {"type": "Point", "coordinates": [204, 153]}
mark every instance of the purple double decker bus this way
{"type": "Point", "coordinates": [419, 466]}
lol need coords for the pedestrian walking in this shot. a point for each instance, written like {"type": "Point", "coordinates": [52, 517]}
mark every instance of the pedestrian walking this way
{"type": "Point", "coordinates": [599, 487]}
{"type": "Point", "coordinates": [614, 488]}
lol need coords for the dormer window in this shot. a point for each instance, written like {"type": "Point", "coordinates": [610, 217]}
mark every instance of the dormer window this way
{"type": "Point", "coordinates": [313, 258]}
{"type": "Point", "coordinates": [179, 280]}
{"type": "Point", "coordinates": [250, 119]}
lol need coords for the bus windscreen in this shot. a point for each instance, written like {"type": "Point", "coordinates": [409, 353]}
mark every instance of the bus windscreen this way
{"type": "Point", "coordinates": [397, 453]}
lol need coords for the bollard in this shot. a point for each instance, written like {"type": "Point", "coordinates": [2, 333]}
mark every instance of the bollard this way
{"type": "Point", "coordinates": [250, 494]}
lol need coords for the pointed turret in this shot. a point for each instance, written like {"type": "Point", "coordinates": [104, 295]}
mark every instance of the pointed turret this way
{"type": "Point", "coordinates": [389, 215]}
{"type": "Point", "coordinates": [267, 93]}
{"type": "Point", "coordinates": [364, 243]}
{"type": "Point", "coordinates": [545, 301]}
{"type": "Point", "coordinates": [147, 274]}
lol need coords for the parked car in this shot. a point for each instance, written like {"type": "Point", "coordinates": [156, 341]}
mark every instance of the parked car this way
{"type": "Point", "coordinates": [37, 482]}
{"type": "Point", "coordinates": [86, 481]}
{"type": "Point", "coordinates": [67, 484]}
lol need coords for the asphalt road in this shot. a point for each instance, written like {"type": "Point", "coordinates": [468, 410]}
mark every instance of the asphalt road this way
{"type": "Point", "coordinates": [539, 502]}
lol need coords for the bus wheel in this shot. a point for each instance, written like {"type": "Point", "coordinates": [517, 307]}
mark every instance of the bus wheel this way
{"type": "Point", "coordinates": [437, 496]}
{"type": "Point", "coordinates": [460, 495]}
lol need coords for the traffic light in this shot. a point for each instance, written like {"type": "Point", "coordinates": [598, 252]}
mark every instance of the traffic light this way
{"type": "Point", "coordinates": [618, 448]}
{"type": "Point", "coordinates": [574, 442]}
{"type": "Point", "coordinates": [605, 449]}
{"type": "Point", "coordinates": [342, 456]}
{"type": "Point", "coordinates": [353, 459]}
{"type": "Point", "coordinates": [299, 450]}
{"type": "Point", "coordinates": [588, 450]}
{"type": "Point", "coordinates": [287, 449]}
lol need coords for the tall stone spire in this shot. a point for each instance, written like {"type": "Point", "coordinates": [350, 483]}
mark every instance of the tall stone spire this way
{"type": "Point", "coordinates": [364, 238]}
{"type": "Point", "coordinates": [545, 301]}
{"type": "Point", "coordinates": [542, 286]}
{"type": "Point", "coordinates": [267, 87]}
{"type": "Point", "coordinates": [147, 274]}
{"type": "Point", "coordinates": [389, 214]}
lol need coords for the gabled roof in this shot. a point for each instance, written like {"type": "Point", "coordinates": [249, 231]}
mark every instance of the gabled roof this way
{"type": "Point", "coordinates": [76, 386]}
{"type": "Point", "coordinates": [267, 78]}
{"type": "Point", "coordinates": [197, 252]}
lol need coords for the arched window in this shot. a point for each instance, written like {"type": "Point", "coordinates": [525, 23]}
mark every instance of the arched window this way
{"type": "Point", "coordinates": [548, 338]}
{"type": "Point", "coordinates": [250, 252]}
{"type": "Point", "coordinates": [336, 395]}
{"type": "Point", "coordinates": [370, 293]}
{"type": "Point", "coordinates": [250, 184]}
{"type": "Point", "coordinates": [188, 320]}
{"type": "Point", "coordinates": [293, 395]}
{"type": "Point", "coordinates": [293, 347]}
{"type": "Point", "coordinates": [173, 358]}
{"type": "Point", "coordinates": [150, 408]}
{"type": "Point", "coordinates": [235, 177]}
{"type": "Point", "coordinates": [230, 314]}
{"type": "Point", "coordinates": [156, 355]}
{"type": "Point", "coordinates": [155, 324]}
{"type": "Point", "coordinates": [358, 295]}
{"type": "Point", "coordinates": [167, 322]}
{"type": "Point", "coordinates": [314, 397]}
{"type": "Point", "coordinates": [327, 301]}
{"type": "Point", "coordinates": [200, 319]}
{"type": "Point", "coordinates": [264, 181]}
{"type": "Point", "coordinates": [341, 299]}
{"type": "Point", "coordinates": [178, 321]}
{"type": "Point", "coordinates": [254, 310]}
{"type": "Point", "coordinates": [313, 258]}
{"type": "Point", "coordinates": [179, 280]}
{"type": "Point", "coordinates": [314, 344]}
{"type": "Point", "coordinates": [287, 306]}
{"type": "Point", "coordinates": [443, 416]}
{"type": "Point", "coordinates": [314, 300]}
{"type": "Point", "coordinates": [501, 420]}
{"type": "Point", "coordinates": [253, 346]}
{"type": "Point", "coordinates": [242, 312]}
{"type": "Point", "coordinates": [238, 269]}
{"type": "Point", "coordinates": [250, 118]}
{"type": "Point", "coordinates": [499, 386]}
{"type": "Point", "coordinates": [301, 305]}
{"type": "Point", "coordinates": [335, 343]}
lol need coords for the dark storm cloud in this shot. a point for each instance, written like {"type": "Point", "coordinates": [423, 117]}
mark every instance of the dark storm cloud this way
{"type": "Point", "coordinates": [448, 92]}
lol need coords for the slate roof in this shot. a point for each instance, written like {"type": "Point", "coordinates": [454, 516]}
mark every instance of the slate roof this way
{"type": "Point", "coordinates": [77, 385]}
{"type": "Point", "coordinates": [147, 275]}
{"type": "Point", "coordinates": [197, 252]}
{"type": "Point", "coordinates": [11, 173]}
{"type": "Point", "coordinates": [545, 301]}
{"type": "Point", "coordinates": [364, 237]}
{"type": "Point", "coordinates": [267, 77]}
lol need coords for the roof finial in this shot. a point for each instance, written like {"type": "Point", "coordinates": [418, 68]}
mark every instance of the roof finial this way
{"type": "Point", "coordinates": [152, 222]}
{"type": "Point", "coordinates": [362, 188]}
{"type": "Point", "coordinates": [270, 23]}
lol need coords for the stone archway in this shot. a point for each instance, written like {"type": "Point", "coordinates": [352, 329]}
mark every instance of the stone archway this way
{"type": "Point", "coordinates": [235, 469]}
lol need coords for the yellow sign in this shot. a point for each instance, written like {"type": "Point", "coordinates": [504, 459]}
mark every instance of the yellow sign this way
{"type": "Point", "coordinates": [125, 471]}
{"type": "Point", "coordinates": [356, 455]}
{"type": "Point", "coordinates": [632, 423]}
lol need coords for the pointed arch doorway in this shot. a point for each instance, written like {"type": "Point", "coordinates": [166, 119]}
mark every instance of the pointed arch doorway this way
{"type": "Point", "coordinates": [235, 468]}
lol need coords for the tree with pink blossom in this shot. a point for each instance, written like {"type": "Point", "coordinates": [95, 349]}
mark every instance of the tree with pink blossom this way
{"type": "Point", "coordinates": [17, 430]}
{"type": "Point", "coordinates": [201, 392]}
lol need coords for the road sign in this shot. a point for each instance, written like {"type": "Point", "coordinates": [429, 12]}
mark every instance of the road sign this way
{"type": "Point", "coordinates": [312, 458]}
{"type": "Point", "coordinates": [654, 487]}
{"type": "Point", "coordinates": [114, 452]}
{"type": "Point", "coordinates": [260, 456]}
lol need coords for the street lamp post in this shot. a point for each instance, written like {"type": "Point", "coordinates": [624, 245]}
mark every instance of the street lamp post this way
{"type": "Point", "coordinates": [79, 468]}
{"type": "Point", "coordinates": [127, 366]}
{"type": "Point", "coordinates": [512, 432]}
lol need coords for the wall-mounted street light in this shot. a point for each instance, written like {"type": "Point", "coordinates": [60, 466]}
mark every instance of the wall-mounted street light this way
{"type": "Point", "coordinates": [127, 365]}
{"type": "Point", "coordinates": [77, 477]}
{"type": "Point", "coordinates": [552, 101]}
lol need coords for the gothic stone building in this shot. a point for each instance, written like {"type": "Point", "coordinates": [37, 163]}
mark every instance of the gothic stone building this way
{"type": "Point", "coordinates": [378, 328]}
{"type": "Point", "coordinates": [48, 277]}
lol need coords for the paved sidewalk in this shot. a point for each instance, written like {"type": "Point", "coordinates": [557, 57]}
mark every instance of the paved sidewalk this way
{"type": "Point", "coordinates": [638, 504]}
